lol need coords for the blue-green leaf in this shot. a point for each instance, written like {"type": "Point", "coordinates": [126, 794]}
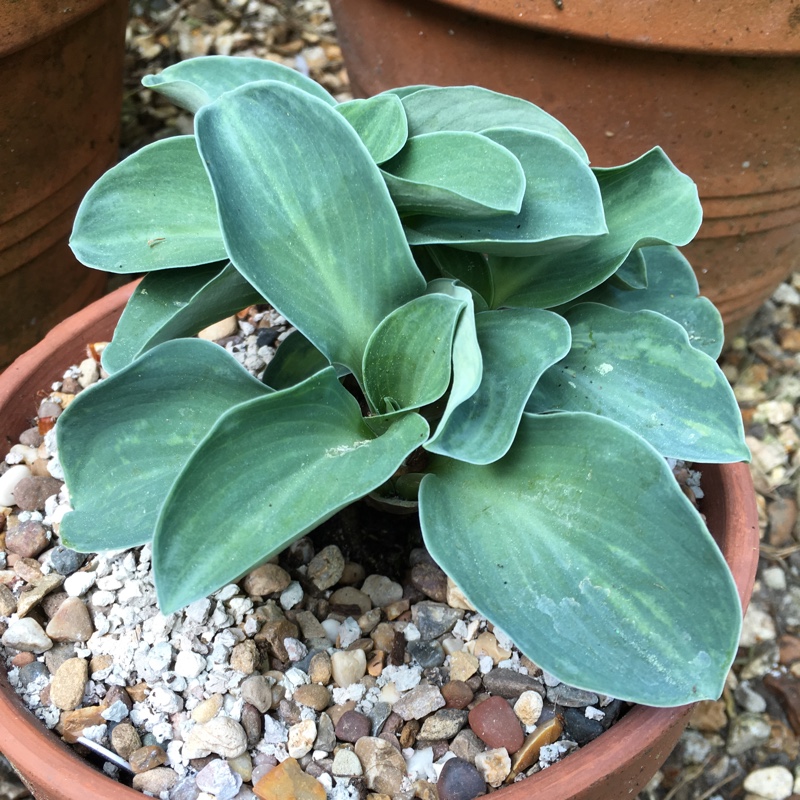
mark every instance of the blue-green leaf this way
{"type": "Point", "coordinates": [583, 528]}
{"type": "Point", "coordinates": [174, 303]}
{"type": "Point", "coordinates": [469, 268]}
{"type": "Point", "coordinates": [471, 108]}
{"type": "Point", "coordinates": [313, 455]}
{"type": "Point", "coordinates": [632, 273]}
{"type": "Point", "coordinates": [646, 202]}
{"type": "Point", "coordinates": [455, 174]}
{"type": "Point", "coordinates": [561, 209]}
{"type": "Point", "coordinates": [517, 346]}
{"type": "Point", "coordinates": [196, 82]}
{"type": "Point", "coordinates": [295, 360]}
{"type": "Point", "coordinates": [154, 210]}
{"type": "Point", "coordinates": [306, 215]}
{"type": "Point", "coordinates": [638, 368]}
{"type": "Point", "coordinates": [123, 441]}
{"type": "Point", "coordinates": [381, 123]}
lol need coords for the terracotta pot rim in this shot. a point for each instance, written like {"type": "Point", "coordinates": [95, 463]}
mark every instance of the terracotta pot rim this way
{"type": "Point", "coordinates": [674, 25]}
{"type": "Point", "coordinates": [42, 754]}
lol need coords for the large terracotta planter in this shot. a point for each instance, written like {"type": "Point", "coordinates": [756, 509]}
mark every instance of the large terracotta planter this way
{"type": "Point", "coordinates": [717, 89]}
{"type": "Point", "coordinates": [616, 765]}
{"type": "Point", "coordinates": [62, 91]}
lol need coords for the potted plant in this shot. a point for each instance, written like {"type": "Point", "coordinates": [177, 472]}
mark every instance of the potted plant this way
{"type": "Point", "coordinates": [483, 323]}
{"type": "Point", "coordinates": [62, 66]}
{"type": "Point", "coordinates": [711, 85]}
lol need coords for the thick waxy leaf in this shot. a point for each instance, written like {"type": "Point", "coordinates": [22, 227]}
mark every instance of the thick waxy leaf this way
{"type": "Point", "coordinates": [638, 368]}
{"type": "Point", "coordinates": [632, 274]}
{"type": "Point", "coordinates": [295, 360]}
{"type": "Point", "coordinates": [469, 268]}
{"type": "Point", "coordinates": [196, 82]}
{"type": "Point", "coordinates": [405, 91]}
{"type": "Point", "coordinates": [582, 527]}
{"type": "Point", "coordinates": [455, 174]}
{"type": "Point", "coordinates": [646, 202]}
{"type": "Point", "coordinates": [314, 455]}
{"type": "Point", "coordinates": [471, 108]}
{"type": "Point", "coordinates": [561, 209]}
{"type": "Point", "coordinates": [517, 346]}
{"type": "Point", "coordinates": [310, 225]}
{"type": "Point", "coordinates": [174, 303]}
{"type": "Point", "coordinates": [123, 441]}
{"type": "Point", "coordinates": [155, 210]}
{"type": "Point", "coordinates": [407, 363]}
{"type": "Point", "coordinates": [381, 123]}
{"type": "Point", "coordinates": [672, 290]}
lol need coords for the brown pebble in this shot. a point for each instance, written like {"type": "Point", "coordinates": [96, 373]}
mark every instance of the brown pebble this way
{"type": "Point", "coordinates": [116, 693]}
{"type": "Point", "coordinates": [8, 603]}
{"type": "Point", "coordinates": [408, 733]}
{"type": "Point", "coordinates": [31, 493]}
{"type": "Point", "coordinates": [335, 712]}
{"type": "Point", "coordinates": [147, 757]}
{"type": "Point", "coordinates": [139, 692]}
{"type": "Point", "coordinates": [709, 716]}
{"type": "Point", "coordinates": [72, 622]}
{"type": "Point", "coordinates": [274, 632]}
{"type": "Point", "coordinates": [350, 601]}
{"type": "Point", "coordinates": [375, 663]}
{"type": "Point", "coordinates": [288, 781]}
{"type": "Point", "coordinates": [72, 723]}
{"type": "Point", "coordinates": [266, 579]}
{"type": "Point", "coordinates": [319, 668]}
{"type": "Point", "coordinates": [397, 609]}
{"type": "Point", "coordinates": [27, 539]}
{"type": "Point", "coordinates": [244, 657]}
{"type": "Point", "coordinates": [789, 649]}
{"type": "Point", "coordinates": [429, 579]}
{"type": "Point", "coordinates": [69, 683]}
{"type": "Point", "coordinates": [313, 695]}
{"type": "Point", "coordinates": [457, 694]}
{"type": "Point", "coordinates": [351, 726]}
{"type": "Point", "coordinates": [29, 569]}
{"type": "Point", "coordinates": [527, 755]}
{"type": "Point", "coordinates": [125, 739]}
{"type": "Point", "coordinates": [253, 724]}
{"type": "Point", "coordinates": [782, 513]}
{"type": "Point", "coordinates": [495, 722]}
{"type": "Point", "coordinates": [21, 659]}
{"type": "Point", "coordinates": [787, 689]}
{"type": "Point", "coordinates": [52, 603]}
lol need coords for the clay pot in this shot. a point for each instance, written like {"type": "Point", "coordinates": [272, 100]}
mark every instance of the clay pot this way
{"type": "Point", "coordinates": [716, 89]}
{"type": "Point", "coordinates": [62, 93]}
{"type": "Point", "coordinates": [618, 764]}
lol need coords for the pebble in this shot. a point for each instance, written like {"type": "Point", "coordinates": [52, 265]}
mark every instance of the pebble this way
{"type": "Point", "coordinates": [427, 654]}
{"type": "Point", "coordinates": [579, 728]}
{"type": "Point", "coordinates": [287, 781]}
{"type": "Point", "coordinates": [65, 561]}
{"type": "Point", "coordinates": [189, 664]}
{"type": "Point", "coordinates": [348, 667]}
{"type": "Point", "coordinates": [467, 745]}
{"type": "Point", "coordinates": [266, 579]}
{"type": "Point", "coordinates": [758, 626]}
{"type": "Point", "coordinates": [457, 694]}
{"type": "Point", "coordinates": [326, 567]}
{"type": "Point", "coordinates": [292, 595]}
{"type": "Point", "coordinates": [709, 716]}
{"type": "Point", "coordinates": [444, 724]}
{"type": "Point", "coordinates": [125, 739]}
{"type": "Point", "coordinates": [244, 657]}
{"type": "Point", "coordinates": [382, 591]}
{"type": "Point", "coordinates": [222, 736]}
{"type": "Point", "coordinates": [352, 725]}
{"type": "Point", "coordinates": [346, 764]}
{"type": "Point", "coordinates": [326, 736]}
{"type": "Point", "coordinates": [486, 645]}
{"type": "Point", "coordinates": [217, 778]}
{"type": "Point", "coordinates": [274, 632]}
{"type": "Point", "coordinates": [69, 683]}
{"type": "Point", "coordinates": [71, 622]}
{"type": "Point", "coordinates": [747, 731]}
{"type": "Point", "coordinates": [319, 668]}
{"type": "Point", "coordinates": [147, 757]}
{"type": "Point", "coordinates": [434, 619]}
{"type": "Point", "coordinates": [545, 734]}
{"type": "Point", "coordinates": [207, 709]}
{"type": "Point", "coordinates": [569, 696]}
{"type": "Point", "coordinates": [155, 781]}
{"type": "Point", "coordinates": [219, 330]}
{"type": "Point", "coordinates": [253, 723]}
{"type": "Point", "coordinates": [510, 684]}
{"type": "Point", "coordinates": [495, 722]}
{"type": "Point", "coordinates": [33, 594]}
{"type": "Point", "coordinates": [463, 666]}
{"type": "Point", "coordinates": [528, 707]}
{"type": "Point", "coordinates": [301, 738]}
{"type": "Point", "coordinates": [26, 634]}
{"type": "Point", "coordinates": [384, 766]}
{"type": "Point", "coordinates": [419, 702]}
{"type": "Point", "coordinates": [771, 783]}
{"type": "Point", "coordinates": [350, 601]}
{"type": "Point", "coordinates": [31, 492]}
{"type": "Point", "coordinates": [494, 766]}
{"type": "Point", "coordinates": [430, 579]}
{"type": "Point", "coordinates": [9, 481]}
{"type": "Point", "coordinates": [27, 539]}
{"type": "Point", "coordinates": [460, 780]}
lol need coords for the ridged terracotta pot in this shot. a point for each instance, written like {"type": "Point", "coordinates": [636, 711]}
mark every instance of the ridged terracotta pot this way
{"type": "Point", "coordinates": [717, 89]}
{"type": "Point", "coordinates": [616, 765]}
{"type": "Point", "coordinates": [61, 64]}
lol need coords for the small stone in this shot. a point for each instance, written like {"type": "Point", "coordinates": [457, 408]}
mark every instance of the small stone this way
{"type": "Point", "coordinates": [218, 779]}
{"type": "Point", "coordinates": [579, 727]}
{"type": "Point", "coordinates": [33, 595]}
{"type": "Point", "coordinates": [463, 666]}
{"type": "Point", "coordinates": [456, 598]}
{"type": "Point", "coordinates": [746, 732]}
{"type": "Point", "coordinates": [156, 781]}
{"type": "Point", "coordinates": [467, 745]}
{"type": "Point", "coordinates": [758, 626]}
{"type": "Point", "coordinates": [429, 579]}
{"type": "Point", "coordinates": [384, 766]}
{"type": "Point", "coordinates": [295, 649]}
{"type": "Point", "coordinates": [9, 481]}
{"type": "Point", "coordinates": [72, 723]}
{"type": "Point", "coordinates": [244, 657]}
{"type": "Point", "coordinates": [27, 539]}
{"type": "Point", "coordinates": [419, 702]}
{"type": "Point", "coordinates": [72, 622]}
{"type": "Point", "coordinates": [26, 634]}
{"type": "Point", "coordinates": [382, 590]}
{"type": "Point", "coordinates": [266, 579]}
{"type": "Point", "coordinates": [125, 739]}
{"type": "Point", "coordinates": [66, 561]}
{"type": "Point", "coordinates": [460, 780]}
{"type": "Point", "coordinates": [511, 684]}
{"type": "Point", "coordinates": [427, 654]}
{"type": "Point", "coordinates": [274, 632]}
{"type": "Point", "coordinates": [219, 330]}
{"type": "Point", "coordinates": [709, 716]}
{"type": "Point", "coordinates": [243, 766]}
{"type": "Point", "coordinates": [257, 691]}
{"type": "Point", "coordinates": [31, 492]}
{"type": "Point", "coordinates": [771, 783]}
{"type": "Point", "coordinates": [457, 694]}
{"type": "Point", "coordinates": [495, 723]}
{"type": "Point", "coordinates": [352, 725]}
{"type": "Point", "coordinates": [301, 738]}
{"type": "Point", "coordinates": [69, 683]}
{"type": "Point", "coordinates": [319, 668]}
{"type": "Point", "coordinates": [222, 736]}
{"type": "Point", "coordinates": [434, 619]}
{"type": "Point", "coordinates": [444, 724]}
{"type": "Point", "coordinates": [787, 689]}
{"type": "Point", "coordinates": [147, 757]}
{"type": "Point", "coordinates": [29, 569]}
{"type": "Point", "coordinates": [207, 709]}
{"type": "Point", "coordinates": [326, 736]}
{"type": "Point", "coordinates": [348, 667]}
{"type": "Point", "coordinates": [346, 764]}
{"type": "Point", "coordinates": [570, 697]}
{"type": "Point", "coordinates": [287, 781]}
{"type": "Point", "coordinates": [313, 695]}
{"type": "Point", "coordinates": [8, 603]}
{"type": "Point", "coordinates": [310, 625]}
{"type": "Point", "coordinates": [189, 664]}
{"type": "Point", "coordinates": [782, 514]}
{"type": "Point", "coordinates": [543, 735]}
{"type": "Point", "coordinates": [326, 568]}
{"type": "Point", "coordinates": [350, 601]}
{"type": "Point", "coordinates": [253, 724]}
{"type": "Point", "coordinates": [486, 645]}
{"type": "Point", "coordinates": [494, 766]}
{"type": "Point", "coordinates": [408, 734]}
{"type": "Point", "coordinates": [528, 707]}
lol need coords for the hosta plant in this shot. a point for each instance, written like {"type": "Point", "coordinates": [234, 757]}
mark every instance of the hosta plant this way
{"type": "Point", "coordinates": [483, 321]}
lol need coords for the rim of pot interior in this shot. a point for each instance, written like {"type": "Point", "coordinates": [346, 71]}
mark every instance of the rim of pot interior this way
{"type": "Point", "coordinates": [746, 28]}
{"type": "Point", "coordinates": [729, 507]}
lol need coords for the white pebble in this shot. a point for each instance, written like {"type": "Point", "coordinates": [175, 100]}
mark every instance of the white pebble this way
{"type": "Point", "coordinates": [771, 783]}
{"type": "Point", "coordinates": [331, 627]}
{"type": "Point", "coordinates": [8, 482]}
{"type": "Point", "coordinates": [301, 738]}
{"type": "Point", "coordinates": [291, 595]}
{"type": "Point", "coordinates": [189, 664]}
{"type": "Point", "coordinates": [528, 707]}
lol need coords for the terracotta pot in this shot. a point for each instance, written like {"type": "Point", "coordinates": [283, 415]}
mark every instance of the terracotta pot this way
{"type": "Point", "coordinates": [717, 90]}
{"type": "Point", "coordinates": [62, 93]}
{"type": "Point", "coordinates": [617, 764]}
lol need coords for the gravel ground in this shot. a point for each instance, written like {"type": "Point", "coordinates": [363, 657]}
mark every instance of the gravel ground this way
{"type": "Point", "coordinates": [744, 746]}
